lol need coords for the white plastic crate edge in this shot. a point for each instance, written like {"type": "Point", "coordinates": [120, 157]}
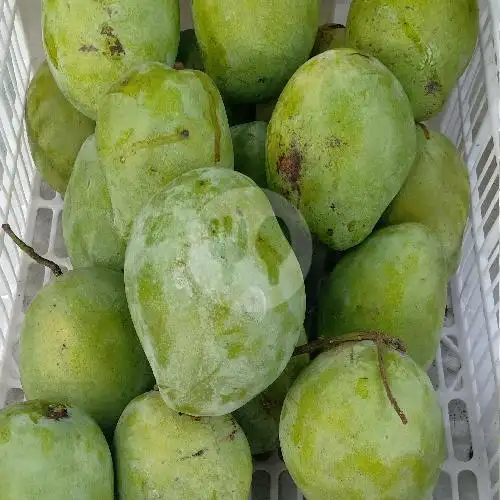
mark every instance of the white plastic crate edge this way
{"type": "Point", "coordinates": [11, 28]}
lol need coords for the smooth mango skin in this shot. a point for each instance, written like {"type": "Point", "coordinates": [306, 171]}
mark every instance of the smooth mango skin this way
{"type": "Point", "coordinates": [329, 36]}
{"type": "Point", "coordinates": [342, 439]}
{"type": "Point", "coordinates": [436, 194]}
{"type": "Point", "coordinates": [189, 53]}
{"type": "Point", "coordinates": [249, 144]}
{"type": "Point", "coordinates": [395, 282]}
{"type": "Point", "coordinates": [427, 44]}
{"type": "Point", "coordinates": [78, 346]}
{"type": "Point", "coordinates": [153, 126]}
{"type": "Point", "coordinates": [56, 130]}
{"type": "Point", "coordinates": [252, 47]}
{"type": "Point", "coordinates": [260, 417]}
{"type": "Point", "coordinates": [44, 458]}
{"type": "Point", "coordinates": [215, 291]}
{"type": "Point", "coordinates": [88, 48]}
{"type": "Point", "coordinates": [88, 223]}
{"type": "Point", "coordinates": [163, 455]}
{"type": "Point", "coordinates": [340, 144]}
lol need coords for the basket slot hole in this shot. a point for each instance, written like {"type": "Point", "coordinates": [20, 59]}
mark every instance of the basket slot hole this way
{"type": "Point", "coordinates": [261, 486]}
{"type": "Point", "coordinates": [491, 207]}
{"type": "Point", "coordinates": [34, 281]}
{"type": "Point", "coordinates": [14, 395]}
{"type": "Point", "coordinates": [59, 247]}
{"type": "Point", "coordinates": [452, 363]}
{"type": "Point", "coordinates": [46, 192]}
{"type": "Point", "coordinates": [287, 488]}
{"type": "Point", "coordinates": [467, 485]}
{"type": "Point", "coordinates": [43, 224]}
{"type": "Point", "coordinates": [489, 172]}
{"type": "Point", "coordinates": [460, 430]}
{"type": "Point", "coordinates": [483, 160]}
{"type": "Point", "coordinates": [443, 487]}
{"type": "Point", "coordinates": [479, 118]}
{"type": "Point", "coordinates": [493, 259]}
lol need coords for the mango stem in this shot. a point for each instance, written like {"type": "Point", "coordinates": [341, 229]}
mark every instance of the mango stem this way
{"type": "Point", "coordinates": [381, 340]}
{"type": "Point", "coordinates": [30, 251]}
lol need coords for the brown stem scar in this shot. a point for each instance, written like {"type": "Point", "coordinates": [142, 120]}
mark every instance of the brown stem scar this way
{"type": "Point", "coordinates": [30, 251]}
{"type": "Point", "coordinates": [57, 412]}
{"type": "Point", "coordinates": [381, 340]}
{"type": "Point", "coordinates": [427, 134]}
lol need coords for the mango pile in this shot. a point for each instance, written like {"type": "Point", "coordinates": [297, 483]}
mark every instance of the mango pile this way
{"type": "Point", "coordinates": [261, 229]}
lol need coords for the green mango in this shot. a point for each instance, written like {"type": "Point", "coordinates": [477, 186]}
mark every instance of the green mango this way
{"type": "Point", "coordinates": [249, 144]}
{"type": "Point", "coordinates": [215, 291]}
{"type": "Point", "coordinates": [329, 36]}
{"type": "Point", "coordinates": [436, 194]}
{"type": "Point", "coordinates": [342, 439]}
{"type": "Point", "coordinates": [154, 125]}
{"type": "Point", "coordinates": [78, 346]}
{"type": "Point", "coordinates": [164, 454]}
{"type": "Point", "coordinates": [252, 47]}
{"type": "Point", "coordinates": [340, 144]}
{"type": "Point", "coordinates": [260, 417]}
{"type": "Point", "coordinates": [189, 51]}
{"type": "Point", "coordinates": [52, 452]}
{"type": "Point", "coordinates": [56, 130]}
{"type": "Point", "coordinates": [89, 47]}
{"type": "Point", "coordinates": [88, 224]}
{"type": "Point", "coordinates": [427, 44]}
{"type": "Point", "coordinates": [395, 282]}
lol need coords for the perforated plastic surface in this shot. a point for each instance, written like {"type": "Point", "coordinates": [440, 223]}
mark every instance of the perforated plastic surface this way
{"type": "Point", "coordinates": [465, 373]}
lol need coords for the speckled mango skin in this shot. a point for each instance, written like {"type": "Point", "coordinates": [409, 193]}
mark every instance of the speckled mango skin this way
{"type": "Point", "coordinates": [395, 282]}
{"type": "Point", "coordinates": [342, 439]}
{"type": "Point", "coordinates": [215, 291]}
{"type": "Point", "coordinates": [329, 36]}
{"type": "Point", "coordinates": [56, 130]}
{"type": "Point", "coordinates": [249, 144]}
{"type": "Point", "coordinates": [88, 223]}
{"type": "Point", "coordinates": [90, 47]}
{"type": "Point", "coordinates": [436, 194]}
{"type": "Point", "coordinates": [153, 126]}
{"type": "Point", "coordinates": [46, 459]}
{"type": "Point", "coordinates": [251, 48]}
{"type": "Point", "coordinates": [260, 417]}
{"type": "Point", "coordinates": [78, 346]}
{"type": "Point", "coordinates": [340, 144]}
{"type": "Point", "coordinates": [161, 455]}
{"type": "Point", "coordinates": [427, 44]}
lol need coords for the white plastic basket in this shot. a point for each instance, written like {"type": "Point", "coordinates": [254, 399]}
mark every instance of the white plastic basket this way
{"type": "Point", "coordinates": [466, 371]}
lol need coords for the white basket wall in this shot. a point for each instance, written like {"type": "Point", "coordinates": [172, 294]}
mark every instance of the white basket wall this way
{"type": "Point", "coordinates": [466, 372]}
